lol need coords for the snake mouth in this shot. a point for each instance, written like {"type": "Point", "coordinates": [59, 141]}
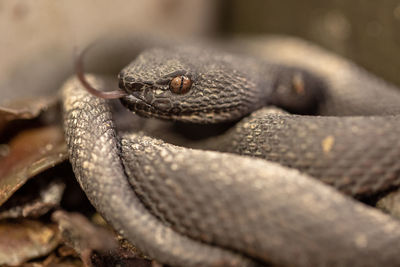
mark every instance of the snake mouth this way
{"type": "Point", "coordinates": [136, 101]}
{"type": "Point", "coordinates": [144, 109]}
{"type": "Point", "coordinates": [138, 105]}
{"type": "Point", "coordinates": [162, 109]}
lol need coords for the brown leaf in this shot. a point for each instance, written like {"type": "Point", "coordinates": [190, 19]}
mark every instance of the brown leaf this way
{"type": "Point", "coordinates": [27, 239]}
{"type": "Point", "coordinates": [24, 108]}
{"type": "Point", "coordinates": [63, 257]}
{"type": "Point", "coordinates": [78, 232]}
{"type": "Point", "coordinates": [44, 195]}
{"type": "Point", "coordinates": [82, 235]}
{"type": "Point", "coordinates": [30, 153]}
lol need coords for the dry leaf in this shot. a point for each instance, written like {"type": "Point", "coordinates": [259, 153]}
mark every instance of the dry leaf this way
{"type": "Point", "coordinates": [25, 108]}
{"type": "Point", "coordinates": [41, 196]}
{"type": "Point", "coordinates": [27, 239]}
{"type": "Point", "coordinates": [29, 153]}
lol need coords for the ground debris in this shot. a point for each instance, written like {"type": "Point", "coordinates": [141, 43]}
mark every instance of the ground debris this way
{"type": "Point", "coordinates": [29, 153]}
{"type": "Point", "coordinates": [26, 239]}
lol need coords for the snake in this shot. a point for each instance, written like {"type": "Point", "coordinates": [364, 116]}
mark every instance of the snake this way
{"type": "Point", "coordinates": [310, 133]}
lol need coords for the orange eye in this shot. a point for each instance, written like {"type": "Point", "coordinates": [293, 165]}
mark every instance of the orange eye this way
{"type": "Point", "coordinates": [180, 85]}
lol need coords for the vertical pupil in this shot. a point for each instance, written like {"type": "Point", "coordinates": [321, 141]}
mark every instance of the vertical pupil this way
{"type": "Point", "coordinates": [180, 84]}
{"type": "Point", "coordinates": [180, 88]}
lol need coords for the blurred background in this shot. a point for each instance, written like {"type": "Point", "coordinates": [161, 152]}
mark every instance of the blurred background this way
{"type": "Point", "coordinates": [38, 37]}
{"type": "Point", "coordinates": [37, 42]}
{"type": "Point", "coordinates": [365, 31]}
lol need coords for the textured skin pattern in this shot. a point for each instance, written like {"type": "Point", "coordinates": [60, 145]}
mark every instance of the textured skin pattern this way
{"type": "Point", "coordinates": [357, 155]}
{"type": "Point", "coordinates": [94, 155]}
{"type": "Point", "coordinates": [224, 87]}
{"type": "Point", "coordinates": [318, 146]}
{"type": "Point", "coordinates": [260, 208]}
{"type": "Point", "coordinates": [236, 205]}
{"type": "Point", "coordinates": [350, 90]}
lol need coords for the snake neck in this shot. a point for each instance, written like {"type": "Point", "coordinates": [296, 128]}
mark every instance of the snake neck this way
{"type": "Point", "coordinates": [295, 90]}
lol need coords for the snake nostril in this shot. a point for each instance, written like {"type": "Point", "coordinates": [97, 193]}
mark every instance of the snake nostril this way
{"type": "Point", "coordinates": [127, 82]}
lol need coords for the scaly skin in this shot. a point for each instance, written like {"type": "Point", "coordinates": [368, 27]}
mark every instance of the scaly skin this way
{"type": "Point", "coordinates": [350, 89]}
{"type": "Point", "coordinates": [241, 204]}
{"type": "Point", "coordinates": [237, 205]}
{"type": "Point", "coordinates": [357, 155]}
{"type": "Point", "coordinates": [95, 157]}
{"type": "Point", "coordinates": [318, 146]}
{"type": "Point", "coordinates": [225, 87]}
{"type": "Point", "coordinates": [259, 208]}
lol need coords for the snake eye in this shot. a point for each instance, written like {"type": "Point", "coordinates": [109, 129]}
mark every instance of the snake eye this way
{"type": "Point", "coordinates": [180, 84]}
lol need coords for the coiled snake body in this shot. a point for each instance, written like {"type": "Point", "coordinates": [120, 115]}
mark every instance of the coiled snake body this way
{"type": "Point", "coordinates": [192, 207]}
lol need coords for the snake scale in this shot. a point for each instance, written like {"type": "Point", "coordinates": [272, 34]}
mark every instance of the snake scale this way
{"type": "Point", "coordinates": [196, 207]}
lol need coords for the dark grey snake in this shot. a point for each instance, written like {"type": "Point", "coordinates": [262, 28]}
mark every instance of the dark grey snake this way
{"type": "Point", "coordinates": [192, 207]}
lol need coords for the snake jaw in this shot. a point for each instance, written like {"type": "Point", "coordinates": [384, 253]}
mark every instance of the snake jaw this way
{"type": "Point", "coordinates": [133, 100]}
{"type": "Point", "coordinates": [145, 109]}
{"type": "Point", "coordinates": [140, 106]}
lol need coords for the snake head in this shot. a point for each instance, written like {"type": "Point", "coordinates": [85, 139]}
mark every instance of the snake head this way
{"type": "Point", "coordinates": [190, 84]}
{"type": "Point", "coordinates": [202, 85]}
